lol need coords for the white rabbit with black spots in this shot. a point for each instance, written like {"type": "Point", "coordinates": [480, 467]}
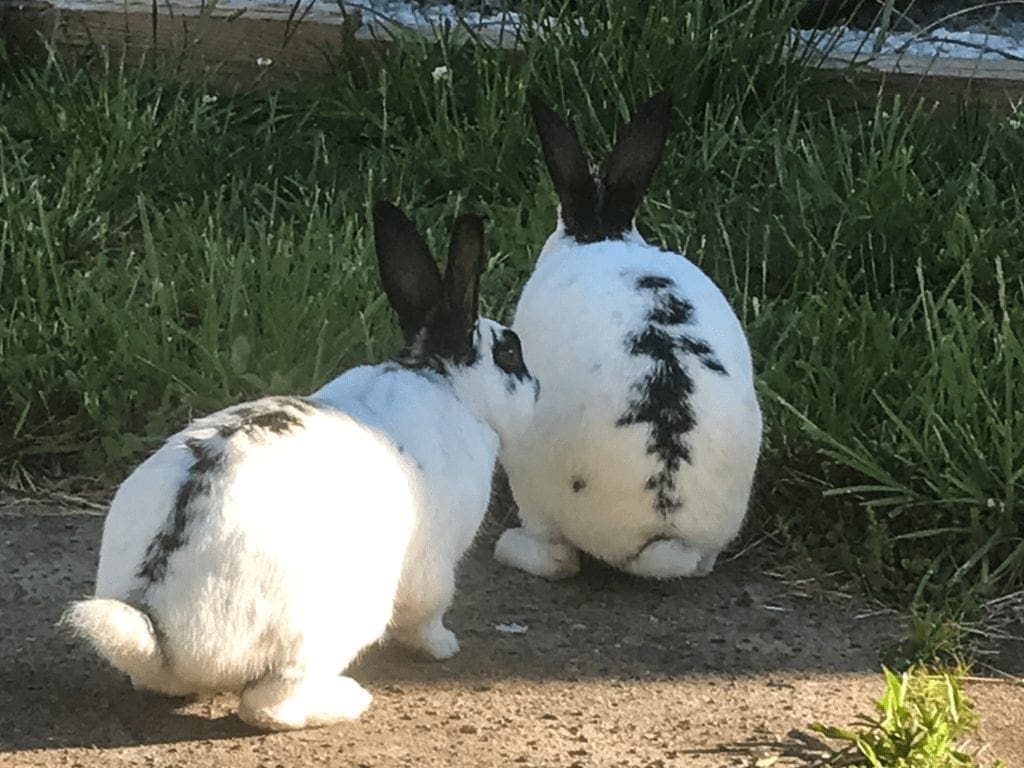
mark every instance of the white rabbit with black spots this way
{"type": "Point", "coordinates": [263, 547]}
{"type": "Point", "coordinates": [647, 429]}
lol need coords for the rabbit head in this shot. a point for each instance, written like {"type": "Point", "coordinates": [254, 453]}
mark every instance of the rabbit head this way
{"type": "Point", "coordinates": [598, 207]}
{"type": "Point", "coordinates": [444, 335]}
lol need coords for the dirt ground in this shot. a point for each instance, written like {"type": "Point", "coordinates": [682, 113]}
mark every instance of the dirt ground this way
{"type": "Point", "coordinates": [611, 671]}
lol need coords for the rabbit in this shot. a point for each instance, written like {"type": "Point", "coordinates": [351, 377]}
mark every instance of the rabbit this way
{"type": "Point", "coordinates": [647, 430]}
{"type": "Point", "coordinates": [260, 549]}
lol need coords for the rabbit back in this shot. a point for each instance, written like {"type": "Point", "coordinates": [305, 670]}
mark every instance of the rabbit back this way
{"type": "Point", "coordinates": [260, 531]}
{"type": "Point", "coordinates": [647, 425]}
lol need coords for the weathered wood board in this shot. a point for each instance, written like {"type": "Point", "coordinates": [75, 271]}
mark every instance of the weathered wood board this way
{"type": "Point", "coordinates": [245, 44]}
{"type": "Point", "coordinates": [948, 82]}
{"type": "Point", "coordinates": [232, 42]}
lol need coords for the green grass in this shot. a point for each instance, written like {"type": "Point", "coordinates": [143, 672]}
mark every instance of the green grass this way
{"type": "Point", "coordinates": [919, 722]}
{"type": "Point", "coordinates": [162, 255]}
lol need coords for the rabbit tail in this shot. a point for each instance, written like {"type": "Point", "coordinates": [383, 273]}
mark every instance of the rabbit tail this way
{"type": "Point", "coordinates": [125, 637]}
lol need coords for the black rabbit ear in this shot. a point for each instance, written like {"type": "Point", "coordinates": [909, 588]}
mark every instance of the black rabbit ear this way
{"type": "Point", "coordinates": [408, 273]}
{"type": "Point", "coordinates": [462, 275]}
{"type": "Point", "coordinates": [633, 161]}
{"type": "Point", "coordinates": [569, 169]}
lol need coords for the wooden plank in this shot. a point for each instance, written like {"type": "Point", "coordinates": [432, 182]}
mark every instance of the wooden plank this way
{"type": "Point", "coordinates": [943, 85]}
{"type": "Point", "coordinates": [232, 42]}
{"type": "Point", "coordinates": [931, 66]}
{"type": "Point", "coordinates": [240, 51]}
{"type": "Point", "coordinates": [250, 43]}
{"type": "Point", "coordinates": [368, 26]}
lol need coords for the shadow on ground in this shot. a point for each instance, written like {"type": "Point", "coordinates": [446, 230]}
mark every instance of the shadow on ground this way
{"type": "Point", "coordinates": [735, 641]}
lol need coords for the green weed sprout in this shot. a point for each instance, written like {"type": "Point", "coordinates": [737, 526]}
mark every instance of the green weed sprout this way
{"type": "Point", "coordinates": [921, 718]}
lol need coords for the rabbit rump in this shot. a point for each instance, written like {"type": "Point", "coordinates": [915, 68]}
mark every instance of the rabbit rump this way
{"type": "Point", "coordinates": [263, 547]}
{"type": "Point", "coordinates": [647, 429]}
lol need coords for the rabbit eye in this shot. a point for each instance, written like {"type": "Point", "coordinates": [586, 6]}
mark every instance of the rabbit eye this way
{"type": "Point", "coordinates": [508, 354]}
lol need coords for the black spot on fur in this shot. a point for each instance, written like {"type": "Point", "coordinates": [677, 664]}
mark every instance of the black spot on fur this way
{"type": "Point", "coordinates": [207, 461]}
{"type": "Point", "coordinates": [278, 422]}
{"type": "Point", "coordinates": [669, 309]}
{"type": "Point", "coordinates": [423, 364]}
{"type": "Point", "coordinates": [662, 402]}
{"type": "Point", "coordinates": [702, 352]}
{"type": "Point", "coordinates": [421, 356]}
{"type": "Point", "coordinates": [578, 484]}
{"type": "Point", "coordinates": [654, 282]}
{"type": "Point", "coordinates": [507, 353]}
{"type": "Point", "coordinates": [274, 415]}
{"type": "Point", "coordinates": [661, 398]}
{"type": "Point", "coordinates": [653, 342]}
{"type": "Point", "coordinates": [304, 404]}
{"type": "Point", "coordinates": [694, 346]}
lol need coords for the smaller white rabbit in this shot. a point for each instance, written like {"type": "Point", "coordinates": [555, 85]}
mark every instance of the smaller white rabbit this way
{"type": "Point", "coordinates": [263, 547]}
{"type": "Point", "coordinates": [647, 429]}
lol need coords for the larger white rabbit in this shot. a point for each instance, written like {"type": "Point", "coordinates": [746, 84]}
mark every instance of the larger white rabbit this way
{"type": "Point", "coordinates": [263, 547]}
{"type": "Point", "coordinates": [647, 429]}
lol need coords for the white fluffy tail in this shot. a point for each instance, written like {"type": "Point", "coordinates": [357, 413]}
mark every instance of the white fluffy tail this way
{"type": "Point", "coordinates": [124, 636]}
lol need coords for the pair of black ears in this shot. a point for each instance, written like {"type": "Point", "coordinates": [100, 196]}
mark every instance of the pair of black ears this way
{"type": "Point", "coordinates": [447, 307]}
{"type": "Point", "coordinates": [595, 209]}
{"type": "Point", "coordinates": [592, 210]}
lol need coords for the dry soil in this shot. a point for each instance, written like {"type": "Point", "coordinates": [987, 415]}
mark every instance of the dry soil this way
{"type": "Point", "coordinates": [610, 671]}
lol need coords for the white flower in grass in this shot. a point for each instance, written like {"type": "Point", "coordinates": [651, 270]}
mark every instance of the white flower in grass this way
{"type": "Point", "coordinates": [439, 73]}
{"type": "Point", "coordinates": [264, 62]}
{"type": "Point", "coordinates": [209, 98]}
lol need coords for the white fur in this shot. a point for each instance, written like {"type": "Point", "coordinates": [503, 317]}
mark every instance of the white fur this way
{"type": "Point", "coordinates": [574, 317]}
{"type": "Point", "coordinates": [306, 545]}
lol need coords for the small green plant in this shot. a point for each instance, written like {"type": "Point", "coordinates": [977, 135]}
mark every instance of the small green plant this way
{"type": "Point", "coordinates": [920, 720]}
{"type": "Point", "coordinates": [932, 637]}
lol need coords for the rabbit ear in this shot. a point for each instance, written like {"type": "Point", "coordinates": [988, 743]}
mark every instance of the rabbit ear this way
{"type": "Point", "coordinates": [568, 166]}
{"type": "Point", "coordinates": [408, 273]}
{"type": "Point", "coordinates": [634, 159]}
{"type": "Point", "coordinates": [462, 275]}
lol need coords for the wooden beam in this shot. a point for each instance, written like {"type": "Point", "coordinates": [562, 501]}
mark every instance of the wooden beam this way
{"type": "Point", "coordinates": [230, 42]}
{"type": "Point", "coordinates": [992, 83]}
{"type": "Point", "coordinates": [257, 43]}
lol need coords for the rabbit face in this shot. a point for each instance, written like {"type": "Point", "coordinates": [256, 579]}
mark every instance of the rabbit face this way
{"type": "Point", "coordinates": [496, 385]}
{"type": "Point", "coordinates": [445, 336]}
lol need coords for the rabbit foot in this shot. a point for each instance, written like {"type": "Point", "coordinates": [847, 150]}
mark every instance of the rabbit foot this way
{"type": "Point", "coordinates": [548, 559]}
{"type": "Point", "coordinates": [281, 704]}
{"type": "Point", "coordinates": [668, 559]}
